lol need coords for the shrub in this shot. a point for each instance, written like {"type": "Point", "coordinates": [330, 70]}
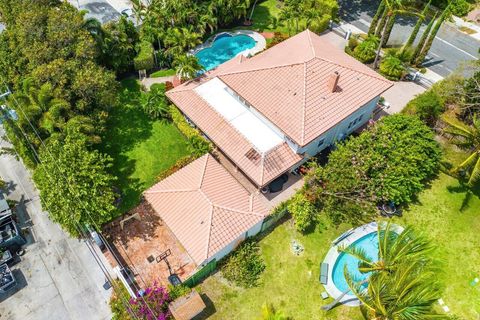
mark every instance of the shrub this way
{"type": "Point", "coordinates": [176, 292]}
{"type": "Point", "coordinates": [427, 106]}
{"type": "Point", "coordinates": [302, 211]}
{"type": "Point", "coordinates": [153, 304]}
{"type": "Point", "coordinates": [460, 7]}
{"type": "Point", "coordinates": [352, 43]}
{"type": "Point", "coordinates": [119, 302]}
{"type": "Point", "coordinates": [392, 68]}
{"type": "Point", "coordinates": [367, 50]}
{"type": "Point", "coordinates": [182, 162]}
{"type": "Point", "coordinates": [245, 265]}
{"type": "Point", "coordinates": [144, 59]}
{"type": "Point", "coordinates": [277, 38]}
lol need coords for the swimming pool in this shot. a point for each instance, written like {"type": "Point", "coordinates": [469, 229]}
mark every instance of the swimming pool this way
{"type": "Point", "coordinates": [223, 48]}
{"type": "Point", "coordinates": [369, 243]}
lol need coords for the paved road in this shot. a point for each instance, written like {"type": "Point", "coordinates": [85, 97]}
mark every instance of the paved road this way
{"type": "Point", "coordinates": [449, 51]}
{"type": "Point", "coordinates": [58, 277]}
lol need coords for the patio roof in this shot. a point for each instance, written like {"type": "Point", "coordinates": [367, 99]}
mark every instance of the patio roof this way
{"type": "Point", "coordinates": [205, 207]}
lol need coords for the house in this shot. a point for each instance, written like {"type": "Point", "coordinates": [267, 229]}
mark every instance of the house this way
{"type": "Point", "coordinates": [270, 113]}
{"type": "Point", "coordinates": [267, 115]}
{"type": "Point", "coordinates": [207, 209]}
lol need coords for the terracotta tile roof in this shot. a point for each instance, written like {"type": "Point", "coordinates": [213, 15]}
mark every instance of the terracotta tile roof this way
{"type": "Point", "coordinates": [187, 307]}
{"type": "Point", "coordinates": [205, 207]}
{"type": "Point", "coordinates": [288, 85]}
{"type": "Point", "coordinates": [263, 170]}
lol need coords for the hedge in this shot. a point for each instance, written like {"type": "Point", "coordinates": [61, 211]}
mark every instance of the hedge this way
{"type": "Point", "coordinates": [144, 59]}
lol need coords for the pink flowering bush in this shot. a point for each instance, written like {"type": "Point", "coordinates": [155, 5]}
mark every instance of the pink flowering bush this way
{"type": "Point", "coordinates": [153, 305]}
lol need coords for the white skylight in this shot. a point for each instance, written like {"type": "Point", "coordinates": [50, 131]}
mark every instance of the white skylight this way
{"type": "Point", "coordinates": [240, 117]}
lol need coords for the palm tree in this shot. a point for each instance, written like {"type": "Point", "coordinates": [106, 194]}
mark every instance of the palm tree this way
{"type": "Point", "coordinates": [468, 138]}
{"type": "Point", "coordinates": [180, 39]}
{"type": "Point", "coordinates": [208, 21]}
{"type": "Point", "coordinates": [187, 66]}
{"type": "Point", "coordinates": [154, 103]}
{"type": "Point", "coordinates": [408, 293]}
{"type": "Point", "coordinates": [376, 17]}
{"type": "Point", "coordinates": [393, 249]}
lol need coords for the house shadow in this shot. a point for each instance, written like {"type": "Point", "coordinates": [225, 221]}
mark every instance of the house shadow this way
{"type": "Point", "coordinates": [208, 311]}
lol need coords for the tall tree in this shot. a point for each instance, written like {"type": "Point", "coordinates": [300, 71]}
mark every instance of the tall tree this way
{"type": "Point", "coordinates": [445, 15]}
{"type": "Point", "coordinates": [376, 18]}
{"type": "Point", "coordinates": [423, 39]}
{"type": "Point", "coordinates": [392, 8]}
{"type": "Point", "coordinates": [187, 66]}
{"type": "Point", "coordinates": [86, 189]}
{"type": "Point", "coordinates": [400, 283]}
{"type": "Point", "coordinates": [419, 23]}
{"type": "Point", "coordinates": [393, 250]}
{"type": "Point", "coordinates": [410, 292]}
{"type": "Point", "coordinates": [467, 138]}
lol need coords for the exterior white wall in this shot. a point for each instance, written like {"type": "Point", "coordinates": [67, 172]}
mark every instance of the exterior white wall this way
{"type": "Point", "coordinates": [341, 130]}
{"type": "Point", "coordinates": [230, 247]}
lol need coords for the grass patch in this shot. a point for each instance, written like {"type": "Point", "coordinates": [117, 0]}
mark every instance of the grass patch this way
{"type": "Point", "coordinates": [141, 148]}
{"type": "Point", "coordinates": [290, 283]}
{"type": "Point", "coordinates": [467, 30]}
{"type": "Point", "coordinates": [162, 73]}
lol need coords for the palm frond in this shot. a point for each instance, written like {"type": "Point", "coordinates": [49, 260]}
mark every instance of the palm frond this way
{"type": "Point", "coordinates": [475, 174]}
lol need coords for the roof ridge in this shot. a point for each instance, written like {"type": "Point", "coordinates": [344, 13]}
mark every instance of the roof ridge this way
{"type": "Point", "coordinates": [209, 233]}
{"type": "Point", "coordinates": [260, 69]}
{"type": "Point", "coordinates": [239, 211]}
{"type": "Point", "coordinates": [310, 42]}
{"type": "Point", "coordinates": [170, 190]}
{"type": "Point", "coordinates": [203, 171]}
{"type": "Point", "coordinates": [376, 76]}
{"type": "Point", "coordinates": [304, 105]}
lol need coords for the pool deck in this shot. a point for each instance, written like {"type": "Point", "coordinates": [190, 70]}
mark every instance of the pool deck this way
{"type": "Point", "coordinates": [345, 240]}
{"type": "Point", "coordinates": [260, 42]}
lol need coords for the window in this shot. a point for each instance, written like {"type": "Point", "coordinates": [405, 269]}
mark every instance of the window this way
{"type": "Point", "coordinates": [321, 142]}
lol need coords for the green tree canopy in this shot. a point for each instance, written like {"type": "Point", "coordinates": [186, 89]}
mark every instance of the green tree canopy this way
{"type": "Point", "coordinates": [74, 186]}
{"type": "Point", "coordinates": [390, 161]}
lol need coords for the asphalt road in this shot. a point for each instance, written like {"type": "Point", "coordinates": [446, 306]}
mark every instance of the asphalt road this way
{"type": "Point", "coordinates": [57, 277]}
{"type": "Point", "coordinates": [450, 50]}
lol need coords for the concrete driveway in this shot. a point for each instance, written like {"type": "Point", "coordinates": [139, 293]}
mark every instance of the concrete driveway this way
{"type": "Point", "coordinates": [400, 94]}
{"type": "Point", "coordinates": [57, 277]}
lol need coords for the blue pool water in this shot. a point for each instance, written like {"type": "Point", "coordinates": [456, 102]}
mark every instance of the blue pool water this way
{"type": "Point", "coordinates": [369, 243]}
{"type": "Point", "coordinates": [224, 48]}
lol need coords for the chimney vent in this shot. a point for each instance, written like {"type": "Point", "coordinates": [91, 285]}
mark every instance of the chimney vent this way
{"type": "Point", "coordinates": [333, 81]}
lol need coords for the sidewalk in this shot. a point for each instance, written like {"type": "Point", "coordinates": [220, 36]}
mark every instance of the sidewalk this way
{"type": "Point", "coordinates": [459, 23]}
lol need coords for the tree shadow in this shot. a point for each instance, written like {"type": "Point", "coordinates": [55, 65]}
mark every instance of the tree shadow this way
{"type": "Point", "coordinates": [468, 191]}
{"type": "Point", "coordinates": [261, 18]}
{"type": "Point", "coordinates": [354, 10]}
{"type": "Point", "coordinates": [145, 228]}
{"type": "Point", "coordinates": [10, 187]}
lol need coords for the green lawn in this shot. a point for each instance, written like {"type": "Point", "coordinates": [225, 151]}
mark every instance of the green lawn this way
{"type": "Point", "coordinates": [141, 148]}
{"type": "Point", "coordinates": [162, 73]}
{"type": "Point", "coordinates": [445, 211]}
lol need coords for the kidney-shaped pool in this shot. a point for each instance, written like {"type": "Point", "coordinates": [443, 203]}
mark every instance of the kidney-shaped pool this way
{"type": "Point", "coordinates": [223, 48]}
